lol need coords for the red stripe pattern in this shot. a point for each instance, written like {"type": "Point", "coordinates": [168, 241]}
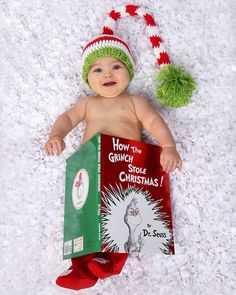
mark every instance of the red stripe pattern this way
{"type": "Point", "coordinates": [105, 38]}
{"type": "Point", "coordinates": [114, 15]}
{"type": "Point", "coordinates": [155, 41]}
{"type": "Point", "coordinates": [131, 9]}
{"type": "Point", "coordinates": [162, 56]}
{"type": "Point", "coordinates": [149, 20]}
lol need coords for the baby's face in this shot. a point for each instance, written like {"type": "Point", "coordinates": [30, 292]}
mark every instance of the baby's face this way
{"type": "Point", "coordinates": [108, 77]}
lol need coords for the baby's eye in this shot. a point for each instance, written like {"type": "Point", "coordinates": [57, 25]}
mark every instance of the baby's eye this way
{"type": "Point", "coordinates": [98, 70]}
{"type": "Point", "coordinates": [116, 67]}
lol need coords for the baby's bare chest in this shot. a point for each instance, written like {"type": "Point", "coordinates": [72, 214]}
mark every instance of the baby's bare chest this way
{"type": "Point", "coordinates": [110, 110]}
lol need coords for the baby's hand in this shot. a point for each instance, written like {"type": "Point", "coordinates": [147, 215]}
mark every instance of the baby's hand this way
{"type": "Point", "coordinates": [170, 159]}
{"type": "Point", "coordinates": [54, 146]}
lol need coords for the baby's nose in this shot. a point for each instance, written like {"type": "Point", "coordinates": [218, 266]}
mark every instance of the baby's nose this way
{"type": "Point", "coordinates": [108, 74]}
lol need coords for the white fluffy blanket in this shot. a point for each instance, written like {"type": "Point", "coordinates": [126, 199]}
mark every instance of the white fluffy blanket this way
{"type": "Point", "coordinates": [40, 57]}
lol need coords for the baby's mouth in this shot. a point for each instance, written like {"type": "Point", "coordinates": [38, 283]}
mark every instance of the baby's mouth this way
{"type": "Point", "coordinates": [108, 84]}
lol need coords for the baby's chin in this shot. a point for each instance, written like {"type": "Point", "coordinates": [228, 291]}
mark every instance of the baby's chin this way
{"type": "Point", "coordinates": [111, 94]}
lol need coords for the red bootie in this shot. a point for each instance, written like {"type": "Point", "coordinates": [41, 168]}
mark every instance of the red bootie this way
{"type": "Point", "coordinates": [78, 276]}
{"type": "Point", "coordinates": [107, 264]}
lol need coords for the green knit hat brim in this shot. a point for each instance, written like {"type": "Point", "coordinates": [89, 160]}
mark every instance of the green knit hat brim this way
{"type": "Point", "coordinates": [107, 52]}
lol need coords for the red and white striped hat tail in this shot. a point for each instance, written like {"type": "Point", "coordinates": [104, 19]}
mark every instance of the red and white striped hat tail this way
{"type": "Point", "coordinates": [160, 53]}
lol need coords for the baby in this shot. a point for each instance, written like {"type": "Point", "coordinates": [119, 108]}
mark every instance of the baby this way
{"type": "Point", "coordinates": [114, 112]}
{"type": "Point", "coordinates": [108, 68]}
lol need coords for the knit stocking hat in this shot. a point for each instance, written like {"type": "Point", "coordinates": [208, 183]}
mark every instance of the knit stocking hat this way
{"type": "Point", "coordinates": [176, 86]}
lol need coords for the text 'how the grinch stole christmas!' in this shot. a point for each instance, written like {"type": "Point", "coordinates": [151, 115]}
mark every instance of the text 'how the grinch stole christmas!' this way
{"type": "Point", "coordinates": [125, 153]}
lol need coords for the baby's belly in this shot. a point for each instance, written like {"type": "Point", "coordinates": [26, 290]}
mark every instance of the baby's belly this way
{"type": "Point", "coordinates": [126, 130]}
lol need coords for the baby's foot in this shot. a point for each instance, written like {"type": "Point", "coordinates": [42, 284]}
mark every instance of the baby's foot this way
{"type": "Point", "coordinates": [101, 267]}
{"type": "Point", "coordinates": [76, 279]}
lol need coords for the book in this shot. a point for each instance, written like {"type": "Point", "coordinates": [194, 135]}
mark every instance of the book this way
{"type": "Point", "coordinates": [117, 199]}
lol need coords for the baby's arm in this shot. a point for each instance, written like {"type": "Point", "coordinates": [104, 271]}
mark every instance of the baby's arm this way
{"type": "Point", "coordinates": [154, 124]}
{"type": "Point", "coordinates": [63, 125]}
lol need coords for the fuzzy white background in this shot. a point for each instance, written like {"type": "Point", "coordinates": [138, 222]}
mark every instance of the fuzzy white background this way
{"type": "Point", "coordinates": [40, 59]}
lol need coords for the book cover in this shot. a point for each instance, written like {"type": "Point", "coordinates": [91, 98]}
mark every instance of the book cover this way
{"type": "Point", "coordinates": [82, 201]}
{"type": "Point", "coordinates": [117, 199]}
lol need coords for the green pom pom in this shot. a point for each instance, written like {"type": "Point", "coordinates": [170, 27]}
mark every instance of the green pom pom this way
{"type": "Point", "coordinates": [177, 86]}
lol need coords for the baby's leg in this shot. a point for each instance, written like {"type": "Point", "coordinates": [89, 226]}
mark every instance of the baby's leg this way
{"type": "Point", "coordinates": [78, 276]}
{"type": "Point", "coordinates": [118, 261]}
{"type": "Point", "coordinates": [106, 264]}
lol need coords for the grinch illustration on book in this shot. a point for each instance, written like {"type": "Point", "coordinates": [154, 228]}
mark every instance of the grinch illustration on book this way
{"type": "Point", "coordinates": [133, 220]}
{"type": "Point", "coordinates": [80, 186]}
{"type": "Point", "coordinates": [80, 189]}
